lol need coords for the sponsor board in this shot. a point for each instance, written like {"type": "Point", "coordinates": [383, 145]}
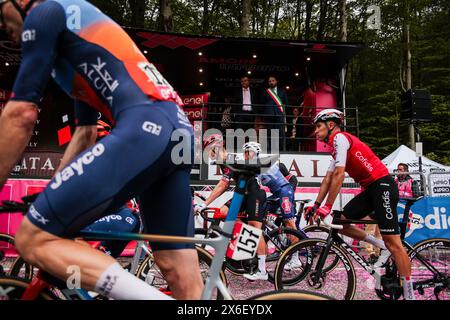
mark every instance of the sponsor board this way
{"type": "Point", "coordinates": [306, 167]}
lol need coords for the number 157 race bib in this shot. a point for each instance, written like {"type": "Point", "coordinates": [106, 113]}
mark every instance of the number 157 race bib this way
{"type": "Point", "coordinates": [244, 243]}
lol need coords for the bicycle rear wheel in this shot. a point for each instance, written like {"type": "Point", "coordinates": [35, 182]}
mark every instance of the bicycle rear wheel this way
{"type": "Point", "coordinates": [290, 295]}
{"type": "Point", "coordinates": [431, 284]}
{"type": "Point", "coordinates": [339, 283]}
{"type": "Point", "coordinates": [13, 288]}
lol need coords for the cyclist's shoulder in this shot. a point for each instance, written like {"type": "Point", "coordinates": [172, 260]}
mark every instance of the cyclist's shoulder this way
{"type": "Point", "coordinates": [46, 16]}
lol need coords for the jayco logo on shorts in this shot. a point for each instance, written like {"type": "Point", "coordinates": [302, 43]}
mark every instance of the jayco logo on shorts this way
{"type": "Point", "coordinates": [387, 204]}
{"type": "Point", "coordinates": [77, 166]}
{"type": "Point", "coordinates": [438, 220]}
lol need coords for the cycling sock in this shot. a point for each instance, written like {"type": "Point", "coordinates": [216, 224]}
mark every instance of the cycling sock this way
{"type": "Point", "coordinates": [262, 263]}
{"type": "Point", "coordinates": [408, 288]}
{"type": "Point", "coordinates": [119, 284]}
{"type": "Point", "coordinates": [294, 256]}
{"type": "Point", "coordinates": [376, 242]}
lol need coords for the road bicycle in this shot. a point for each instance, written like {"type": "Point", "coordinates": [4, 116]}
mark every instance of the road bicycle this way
{"type": "Point", "coordinates": [243, 242]}
{"type": "Point", "coordinates": [328, 268]}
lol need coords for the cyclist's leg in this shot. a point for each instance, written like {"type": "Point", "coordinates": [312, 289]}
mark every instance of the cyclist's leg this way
{"type": "Point", "coordinates": [99, 180]}
{"type": "Point", "coordinates": [357, 208]}
{"type": "Point", "coordinates": [385, 199]}
{"type": "Point", "coordinates": [165, 214]}
{"type": "Point", "coordinates": [255, 209]}
{"type": "Point", "coordinates": [287, 206]}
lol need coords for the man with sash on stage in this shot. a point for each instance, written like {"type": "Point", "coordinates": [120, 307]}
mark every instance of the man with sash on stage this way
{"type": "Point", "coordinates": [275, 101]}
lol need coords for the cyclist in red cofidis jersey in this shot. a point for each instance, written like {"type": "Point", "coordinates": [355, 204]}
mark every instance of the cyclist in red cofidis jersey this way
{"type": "Point", "coordinates": [379, 195]}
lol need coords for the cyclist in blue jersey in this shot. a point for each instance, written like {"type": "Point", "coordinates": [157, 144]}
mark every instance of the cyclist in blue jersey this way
{"type": "Point", "coordinates": [96, 63]}
{"type": "Point", "coordinates": [280, 188]}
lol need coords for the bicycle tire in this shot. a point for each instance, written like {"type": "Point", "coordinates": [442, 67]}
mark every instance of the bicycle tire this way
{"type": "Point", "coordinates": [323, 232]}
{"type": "Point", "coordinates": [148, 263]}
{"type": "Point", "coordinates": [18, 265]}
{"type": "Point", "coordinates": [271, 237]}
{"type": "Point", "coordinates": [437, 246]}
{"type": "Point", "coordinates": [290, 295]}
{"type": "Point", "coordinates": [15, 287]}
{"type": "Point", "coordinates": [307, 251]}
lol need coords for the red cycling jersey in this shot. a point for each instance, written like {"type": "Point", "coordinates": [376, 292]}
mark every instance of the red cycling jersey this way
{"type": "Point", "coordinates": [362, 164]}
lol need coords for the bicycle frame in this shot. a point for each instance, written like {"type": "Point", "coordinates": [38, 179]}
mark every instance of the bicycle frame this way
{"type": "Point", "coordinates": [220, 244]}
{"type": "Point", "coordinates": [334, 238]}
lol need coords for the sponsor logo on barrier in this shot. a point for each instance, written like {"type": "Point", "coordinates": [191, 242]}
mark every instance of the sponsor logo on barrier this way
{"type": "Point", "coordinates": [77, 166]}
{"type": "Point", "coordinates": [438, 220]}
{"type": "Point", "coordinates": [442, 182]}
{"type": "Point", "coordinates": [441, 189]}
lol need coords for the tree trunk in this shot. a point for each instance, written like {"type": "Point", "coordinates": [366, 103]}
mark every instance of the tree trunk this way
{"type": "Point", "coordinates": [205, 18]}
{"type": "Point", "coordinates": [277, 16]}
{"type": "Point", "coordinates": [165, 16]}
{"type": "Point", "coordinates": [245, 18]}
{"type": "Point", "coordinates": [138, 9]}
{"type": "Point", "coordinates": [322, 19]}
{"type": "Point", "coordinates": [343, 20]}
{"type": "Point", "coordinates": [309, 7]}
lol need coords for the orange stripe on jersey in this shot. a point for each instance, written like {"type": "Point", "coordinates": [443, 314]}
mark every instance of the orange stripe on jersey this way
{"type": "Point", "coordinates": [116, 41]}
{"type": "Point", "coordinates": [84, 92]}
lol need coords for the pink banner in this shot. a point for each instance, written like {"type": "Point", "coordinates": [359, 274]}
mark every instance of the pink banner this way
{"type": "Point", "coordinates": [15, 190]}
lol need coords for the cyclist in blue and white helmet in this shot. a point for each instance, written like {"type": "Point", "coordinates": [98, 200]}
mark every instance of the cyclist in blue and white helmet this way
{"type": "Point", "coordinates": [281, 189]}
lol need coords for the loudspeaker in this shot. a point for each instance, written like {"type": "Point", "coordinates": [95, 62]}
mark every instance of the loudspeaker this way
{"type": "Point", "coordinates": [416, 105]}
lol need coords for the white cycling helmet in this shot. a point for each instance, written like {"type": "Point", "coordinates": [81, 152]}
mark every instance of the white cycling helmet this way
{"type": "Point", "coordinates": [329, 114]}
{"type": "Point", "coordinates": [252, 146]}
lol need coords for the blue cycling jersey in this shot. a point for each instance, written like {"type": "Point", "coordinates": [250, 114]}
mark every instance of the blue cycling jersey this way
{"type": "Point", "coordinates": [91, 58]}
{"type": "Point", "coordinates": [273, 179]}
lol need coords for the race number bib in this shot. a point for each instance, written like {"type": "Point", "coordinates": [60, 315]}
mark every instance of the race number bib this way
{"type": "Point", "coordinates": [162, 85]}
{"type": "Point", "coordinates": [244, 243]}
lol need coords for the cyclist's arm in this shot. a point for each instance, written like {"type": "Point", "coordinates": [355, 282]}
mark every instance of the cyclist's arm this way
{"type": "Point", "coordinates": [341, 147]}
{"type": "Point", "coordinates": [16, 127]}
{"type": "Point", "coordinates": [220, 188]}
{"type": "Point", "coordinates": [42, 29]}
{"type": "Point", "coordinates": [324, 187]}
{"type": "Point", "coordinates": [85, 133]}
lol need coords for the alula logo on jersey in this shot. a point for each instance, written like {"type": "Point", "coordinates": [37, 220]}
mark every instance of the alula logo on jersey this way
{"type": "Point", "coordinates": [438, 220]}
{"type": "Point", "coordinates": [364, 160]}
{"type": "Point", "coordinates": [77, 167]}
{"type": "Point", "coordinates": [100, 78]}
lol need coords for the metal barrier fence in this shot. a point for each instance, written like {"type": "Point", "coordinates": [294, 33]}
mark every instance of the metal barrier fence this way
{"type": "Point", "coordinates": [439, 184]}
{"type": "Point", "coordinates": [410, 185]}
{"type": "Point", "coordinates": [294, 126]}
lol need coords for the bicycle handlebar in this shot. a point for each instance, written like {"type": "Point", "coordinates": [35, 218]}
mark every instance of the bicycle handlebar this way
{"type": "Point", "coordinates": [330, 225]}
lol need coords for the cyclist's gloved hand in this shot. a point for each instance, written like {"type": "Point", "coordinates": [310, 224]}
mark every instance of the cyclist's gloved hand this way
{"type": "Point", "coordinates": [310, 211]}
{"type": "Point", "coordinates": [199, 207]}
{"type": "Point", "coordinates": [324, 211]}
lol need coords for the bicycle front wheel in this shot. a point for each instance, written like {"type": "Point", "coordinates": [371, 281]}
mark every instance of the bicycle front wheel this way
{"type": "Point", "coordinates": [339, 283]}
{"type": "Point", "coordinates": [430, 269]}
{"type": "Point", "coordinates": [290, 295]}
{"type": "Point", "coordinates": [279, 240]}
{"type": "Point", "coordinates": [14, 288]}
{"type": "Point", "coordinates": [149, 272]}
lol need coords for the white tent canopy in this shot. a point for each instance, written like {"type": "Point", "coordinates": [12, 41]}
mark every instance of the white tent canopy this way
{"type": "Point", "coordinates": [403, 154]}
